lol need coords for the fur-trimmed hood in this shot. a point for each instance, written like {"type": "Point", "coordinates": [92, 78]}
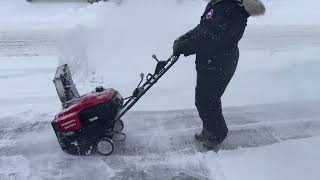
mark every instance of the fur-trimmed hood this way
{"type": "Point", "coordinates": [253, 7]}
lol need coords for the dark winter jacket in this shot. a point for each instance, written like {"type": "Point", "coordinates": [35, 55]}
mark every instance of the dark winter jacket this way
{"type": "Point", "coordinates": [221, 27]}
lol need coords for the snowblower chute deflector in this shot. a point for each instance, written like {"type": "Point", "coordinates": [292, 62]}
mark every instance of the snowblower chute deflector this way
{"type": "Point", "coordinates": [90, 122]}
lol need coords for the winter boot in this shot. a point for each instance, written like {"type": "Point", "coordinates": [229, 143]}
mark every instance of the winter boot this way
{"type": "Point", "coordinates": [200, 136]}
{"type": "Point", "coordinates": [208, 140]}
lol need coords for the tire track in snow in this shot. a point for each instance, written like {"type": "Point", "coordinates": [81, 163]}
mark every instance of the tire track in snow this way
{"type": "Point", "coordinates": [28, 43]}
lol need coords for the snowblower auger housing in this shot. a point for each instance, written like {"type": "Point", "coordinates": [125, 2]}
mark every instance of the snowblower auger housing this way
{"type": "Point", "coordinates": [89, 123]}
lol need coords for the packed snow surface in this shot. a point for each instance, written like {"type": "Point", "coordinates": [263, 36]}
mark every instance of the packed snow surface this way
{"type": "Point", "coordinates": [272, 104]}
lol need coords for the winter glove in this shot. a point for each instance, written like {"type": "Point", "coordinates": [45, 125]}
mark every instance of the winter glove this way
{"type": "Point", "coordinates": [177, 48]}
{"type": "Point", "coordinates": [182, 47]}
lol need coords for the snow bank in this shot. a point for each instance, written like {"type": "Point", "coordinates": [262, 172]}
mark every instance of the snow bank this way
{"type": "Point", "coordinates": [281, 76]}
{"type": "Point", "coordinates": [294, 160]}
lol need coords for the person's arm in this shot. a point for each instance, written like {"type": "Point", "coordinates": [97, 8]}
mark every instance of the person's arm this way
{"type": "Point", "coordinates": [214, 31]}
{"type": "Point", "coordinates": [180, 45]}
{"type": "Point", "coordinates": [187, 35]}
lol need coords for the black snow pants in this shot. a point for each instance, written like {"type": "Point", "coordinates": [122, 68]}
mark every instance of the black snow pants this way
{"type": "Point", "coordinates": [213, 77]}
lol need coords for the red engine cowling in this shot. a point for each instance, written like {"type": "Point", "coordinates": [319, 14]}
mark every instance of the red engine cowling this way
{"type": "Point", "coordinates": [89, 118]}
{"type": "Point", "coordinates": [68, 119]}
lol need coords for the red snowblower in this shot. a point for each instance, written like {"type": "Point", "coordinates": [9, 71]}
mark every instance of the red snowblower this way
{"type": "Point", "coordinates": [90, 123]}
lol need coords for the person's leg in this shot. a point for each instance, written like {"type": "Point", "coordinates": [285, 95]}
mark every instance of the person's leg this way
{"type": "Point", "coordinates": [212, 81]}
{"type": "Point", "coordinates": [208, 103]}
{"type": "Point", "coordinates": [200, 95]}
{"type": "Point", "coordinates": [209, 89]}
{"type": "Point", "coordinates": [216, 125]}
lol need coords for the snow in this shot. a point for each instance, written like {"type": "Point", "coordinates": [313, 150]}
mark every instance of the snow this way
{"type": "Point", "coordinates": [271, 104]}
{"type": "Point", "coordinates": [272, 143]}
{"type": "Point", "coordinates": [19, 14]}
{"type": "Point", "coordinates": [294, 159]}
{"type": "Point", "coordinates": [271, 60]}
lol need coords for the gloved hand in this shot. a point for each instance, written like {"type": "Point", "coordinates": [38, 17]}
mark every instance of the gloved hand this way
{"type": "Point", "coordinates": [177, 48]}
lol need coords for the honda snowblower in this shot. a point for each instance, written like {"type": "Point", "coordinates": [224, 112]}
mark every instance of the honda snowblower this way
{"type": "Point", "coordinates": [90, 123]}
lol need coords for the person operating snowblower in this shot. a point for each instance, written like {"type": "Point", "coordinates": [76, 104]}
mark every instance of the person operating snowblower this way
{"type": "Point", "coordinates": [215, 43]}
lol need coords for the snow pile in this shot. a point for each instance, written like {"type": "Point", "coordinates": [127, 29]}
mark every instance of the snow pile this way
{"type": "Point", "coordinates": [294, 160]}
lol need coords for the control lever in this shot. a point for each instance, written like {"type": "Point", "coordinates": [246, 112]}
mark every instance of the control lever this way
{"type": "Point", "coordinates": [160, 64]}
{"type": "Point", "coordinates": [142, 77]}
{"type": "Point", "coordinates": [155, 57]}
{"type": "Point", "coordinates": [137, 91]}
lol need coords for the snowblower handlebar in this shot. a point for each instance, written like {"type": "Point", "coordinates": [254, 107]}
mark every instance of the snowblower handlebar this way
{"type": "Point", "coordinates": [161, 68]}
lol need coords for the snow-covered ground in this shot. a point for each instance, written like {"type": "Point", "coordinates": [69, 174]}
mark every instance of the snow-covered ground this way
{"type": "Point", "coordinates": [272, 104]}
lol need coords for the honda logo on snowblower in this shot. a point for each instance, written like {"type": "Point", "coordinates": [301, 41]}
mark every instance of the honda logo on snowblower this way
{"type": "Point", "coordinates": [69, 124]}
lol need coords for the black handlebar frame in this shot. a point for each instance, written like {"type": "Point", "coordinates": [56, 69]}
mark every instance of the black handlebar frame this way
{"type": "Point", "coordinates": [151, 79]}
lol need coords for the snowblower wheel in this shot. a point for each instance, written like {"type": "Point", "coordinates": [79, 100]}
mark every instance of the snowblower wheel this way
{"type": "Point", "coordinates": [105, 146]}
{"type": "Point", "coordinates": [119, 125]}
